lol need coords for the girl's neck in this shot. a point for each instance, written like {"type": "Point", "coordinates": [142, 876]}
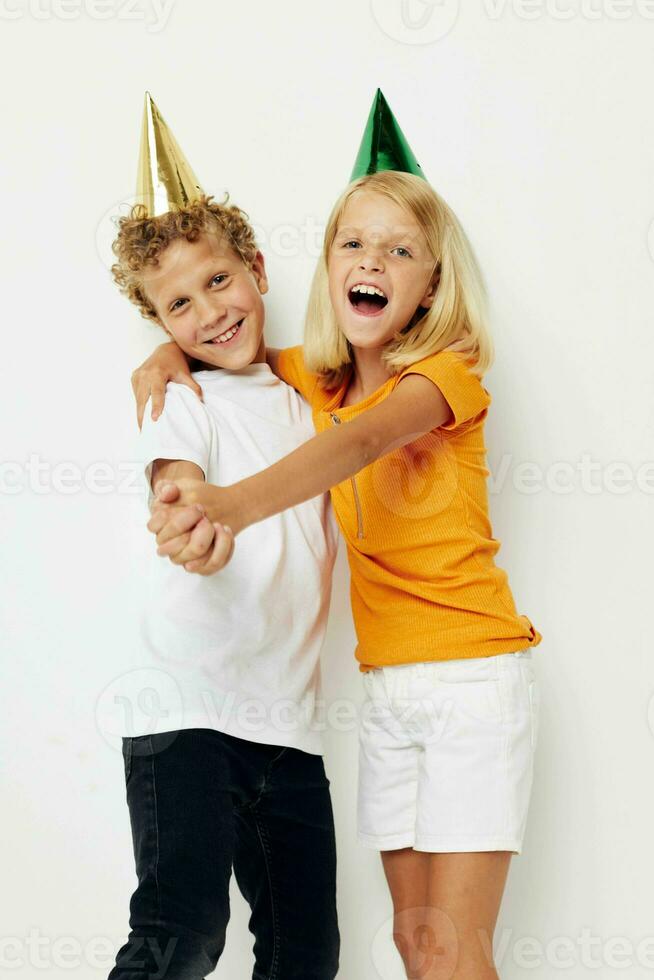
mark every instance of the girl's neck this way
{"type": "Point", "coordinates": [370, 373]}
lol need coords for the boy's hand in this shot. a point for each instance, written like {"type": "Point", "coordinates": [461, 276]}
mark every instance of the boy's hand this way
{"type": "Point", "coordinates": [167, 363]}
{"type": "Point", "coordinates": [187, 536]}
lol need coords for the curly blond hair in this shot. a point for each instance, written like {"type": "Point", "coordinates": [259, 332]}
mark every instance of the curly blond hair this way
{"type": "Point", "coordinates": [142, 240]}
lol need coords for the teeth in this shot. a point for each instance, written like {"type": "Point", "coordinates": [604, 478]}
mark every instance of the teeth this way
{"type": "Point", "coordinates": [372, 290]}
{"type": "Point", "coordinates": [224, 337]}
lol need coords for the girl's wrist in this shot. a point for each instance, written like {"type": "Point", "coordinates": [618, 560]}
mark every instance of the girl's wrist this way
{"type": "Point", "coordinates": [227, 506]}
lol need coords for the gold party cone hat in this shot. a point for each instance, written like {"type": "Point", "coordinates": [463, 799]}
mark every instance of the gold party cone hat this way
{"type": "Point", "coordinates": [165, 180]}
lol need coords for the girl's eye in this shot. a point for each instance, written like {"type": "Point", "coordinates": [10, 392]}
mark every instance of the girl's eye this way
{"type": "Point", "coordinates": [402, 251]}
{"type": "Point", "coordinates": [353, 243]}
{"type": "Point", "coordinates": [220, 276]}
{"type": "Point", "coordinates": [176, 305]}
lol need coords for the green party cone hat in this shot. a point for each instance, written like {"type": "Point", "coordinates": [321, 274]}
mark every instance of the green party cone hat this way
{"type": "Point", "coordinates": [165, 180]}
{"type": "Point", "coordinates": [384, 145]}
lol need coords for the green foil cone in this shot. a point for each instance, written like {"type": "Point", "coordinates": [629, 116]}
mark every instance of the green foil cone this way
{"type": "Point", "coordinates": [384, 145]}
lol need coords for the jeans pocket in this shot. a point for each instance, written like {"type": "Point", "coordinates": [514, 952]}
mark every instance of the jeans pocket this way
{"type": "Point", "coordinates": [127, 757]}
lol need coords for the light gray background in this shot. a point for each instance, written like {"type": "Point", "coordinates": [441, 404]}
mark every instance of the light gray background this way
{"type": "Point", "coordinates": [535, 123]}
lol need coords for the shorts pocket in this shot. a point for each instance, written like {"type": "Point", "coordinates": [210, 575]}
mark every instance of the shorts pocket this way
{"type": "Point", "coordinates": [479, 700]}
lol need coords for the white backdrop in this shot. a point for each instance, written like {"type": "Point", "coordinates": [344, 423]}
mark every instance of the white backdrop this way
{"type": "Point", "coordinates": [534, 120]}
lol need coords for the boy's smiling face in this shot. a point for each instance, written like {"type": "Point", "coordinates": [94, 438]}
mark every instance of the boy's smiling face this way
{"type": "Point", "coordinates": [209, 301]}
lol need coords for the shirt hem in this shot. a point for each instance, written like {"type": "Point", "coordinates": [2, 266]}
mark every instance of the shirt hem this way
{"type": "Point", "coordinates": [266, 736]}
{"type": "Point", "coordinates": [427, 656]}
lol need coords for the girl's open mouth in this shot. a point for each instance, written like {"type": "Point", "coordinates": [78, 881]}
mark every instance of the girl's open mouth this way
{"type": "Point", "coordinates": [367, 300]}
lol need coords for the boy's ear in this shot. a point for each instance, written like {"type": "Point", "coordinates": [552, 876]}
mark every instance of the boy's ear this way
{"type": "Point", "coordinates": [259, 272]}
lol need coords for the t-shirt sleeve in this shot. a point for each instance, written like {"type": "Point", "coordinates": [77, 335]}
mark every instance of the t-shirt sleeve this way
{"type": "Point", "coordinates": [182, 431]}
{"type": "Point", "coordinates": [292, 370]}
{"type": "Point", "coordinates": [462, 390]}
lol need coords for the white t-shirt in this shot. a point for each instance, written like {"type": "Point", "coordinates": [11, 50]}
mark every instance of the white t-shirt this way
{"type": "Point", "coordinates": [237, 651]}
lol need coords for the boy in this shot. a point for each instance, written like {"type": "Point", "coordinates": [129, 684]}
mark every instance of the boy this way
{"type": "Point", "coordinates": [233, 775]}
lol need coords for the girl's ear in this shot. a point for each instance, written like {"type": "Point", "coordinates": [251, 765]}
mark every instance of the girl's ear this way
{"type": "Point", "coordinates": [432, 289]}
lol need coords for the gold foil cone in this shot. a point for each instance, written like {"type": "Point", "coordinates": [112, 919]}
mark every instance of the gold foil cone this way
{"type": "Point", "coordinates": [165, 179]}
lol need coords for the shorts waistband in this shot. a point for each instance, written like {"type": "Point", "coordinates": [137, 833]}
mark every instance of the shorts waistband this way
{"type": "Point", "coordinates": [495, 663]}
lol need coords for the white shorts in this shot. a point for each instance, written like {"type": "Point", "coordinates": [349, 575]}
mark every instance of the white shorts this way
{"type": "Point", "coordinates": [446, 752]}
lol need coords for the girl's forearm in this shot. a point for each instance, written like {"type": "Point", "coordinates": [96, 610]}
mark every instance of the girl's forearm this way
{"type": "Point", "coordinates": [312, 469]}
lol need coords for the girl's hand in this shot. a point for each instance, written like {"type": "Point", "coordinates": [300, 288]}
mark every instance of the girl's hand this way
{"type": "Point", "coordinates": [166, 363]}
{"type": "Point", "coordinates": [184, 492]}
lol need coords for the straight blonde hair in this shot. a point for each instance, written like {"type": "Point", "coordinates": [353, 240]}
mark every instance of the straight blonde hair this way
{"type": "Point", "coordinates": [457, 319]}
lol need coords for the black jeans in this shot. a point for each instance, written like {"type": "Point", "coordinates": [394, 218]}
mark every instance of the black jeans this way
{"type": "Point", "coordinates": [200, 803]}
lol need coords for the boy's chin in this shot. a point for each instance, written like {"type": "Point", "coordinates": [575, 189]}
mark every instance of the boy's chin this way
{"type": "Point", "coordinates": [229, 362]}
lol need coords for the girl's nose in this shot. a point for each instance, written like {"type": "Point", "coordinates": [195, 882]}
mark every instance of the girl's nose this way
{"type": "Point", "coordinates": [372, 262]}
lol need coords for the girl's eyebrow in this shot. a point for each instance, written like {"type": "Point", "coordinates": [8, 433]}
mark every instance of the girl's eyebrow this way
{"type": "Point", "coordinates": [400, 235]}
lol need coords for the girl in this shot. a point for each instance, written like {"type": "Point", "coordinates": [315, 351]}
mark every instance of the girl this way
{"type": "Point", "coordinates": [395, 349]}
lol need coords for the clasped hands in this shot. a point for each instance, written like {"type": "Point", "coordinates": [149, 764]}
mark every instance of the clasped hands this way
{"type": "Point", "coordinates": [182, 518]}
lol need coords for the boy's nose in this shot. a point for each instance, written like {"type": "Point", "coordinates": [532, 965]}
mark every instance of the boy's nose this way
{"type": "Point", "coordinates": [209, 316]}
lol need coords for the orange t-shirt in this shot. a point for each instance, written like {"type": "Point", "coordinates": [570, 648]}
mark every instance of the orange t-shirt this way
{"type": "Point", "coordinates": [424, 585]}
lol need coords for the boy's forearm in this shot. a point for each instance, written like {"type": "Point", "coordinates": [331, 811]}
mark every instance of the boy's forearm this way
{"type": "Point", "coordinates": [169, 470]}
{"type": "Point", "coordinates": [312, 469]}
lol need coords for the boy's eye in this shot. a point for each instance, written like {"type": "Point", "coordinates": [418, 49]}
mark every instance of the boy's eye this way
{"type": "Point", "coordinates": [352, 243]}
{"type": "Point", "coordinates": [221, 276]}
{"type": "Point", "coordinates": [176, 305]}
